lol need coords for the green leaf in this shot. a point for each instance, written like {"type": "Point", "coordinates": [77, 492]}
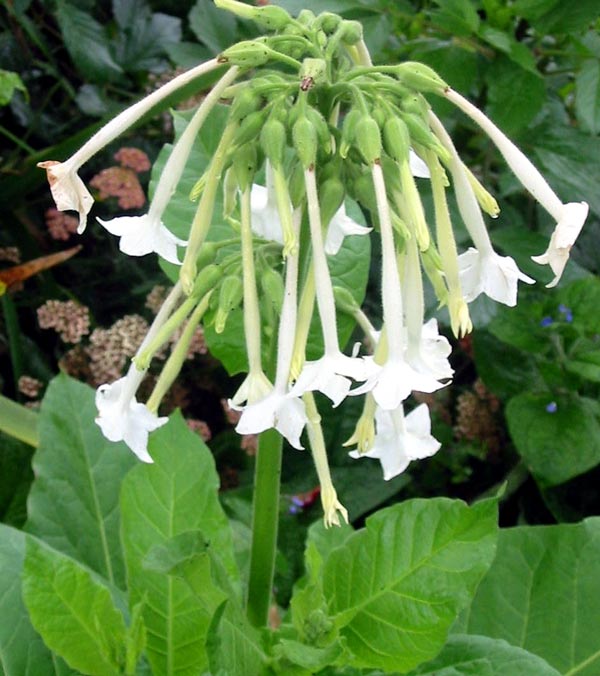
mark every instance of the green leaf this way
{"type": "Point", "coordinates": [395, 587]}
{"type": "Point", "coordinates": [583, 297]}
{"type": "Point", "coordinates": [555, 446]}
{"type": "Point", "coordinates": [9, 83]}
{"type": "Point", "coordinates": [515, 96]}
{"type": "Point", "coordinates": [22, 651]}
{"type": "Point", "coordinates": [458, 17]}
{"type": "Point", "coordinates": [483, 656]}
{"type": "Point", "coordinates": [175, 495]}
{"type": "Point", "coordinates": [74, 500]}
{"type": "Point", "coordinates": [215, 27]}
{"type": "Point", "coordinates": [87, 43]}
{"type": "Point", "coordinates": [73, 611]}
{"type": "Point", "coordinates": [587, 98]}
{"type": "Point", "coordinates": [584, 360]}
{"type": "Point", "coordinates": [233, 645]}
{"type": "Point", "coordinates": [541, 594]}
{"type": "Point", "coordinates": [555, 16]}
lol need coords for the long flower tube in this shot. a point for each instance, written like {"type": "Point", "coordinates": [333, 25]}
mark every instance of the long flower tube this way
{"type": "Point", "coordinates": [256, 385]}
{"type": "Point", "coordinates": [332, 372]}
{"type": "Point", "coordinates": [569, 217]}
{"type": "Point", "coordinates": [120, 416]}
{"type": "Point", "coordinates": [68, 190]}
{"type": "Point", "coordinates": [281, 409]}
{"type": "Point", "coordinates": [482, 270]}
{"type": "Point", "coordinates": [140, 235]}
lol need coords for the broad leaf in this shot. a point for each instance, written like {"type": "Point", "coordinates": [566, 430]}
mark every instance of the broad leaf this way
{"type": "Point", "coordinates": [587, 99]}
{"type": "Point", "coordinates": [175, 495]}
{"type": "Point", "coordinates": [395, 587]}
{"type": "Point", "coordinates": [22, 651]}
{"type": "Point", "coordinates": [541, 594]}
{"type": "Point", "coordinates": [483, 656]}
{"type": "Point", "coordinates": [87, 43]}
{"type": "Point", "coordinates": [74, 500]}
{"type": "Point", "coordinates": [216, 28]}
{"type": "Point", "coordinates": [558, 441]}
{"type": "Point", "coordinates": [73, 611]}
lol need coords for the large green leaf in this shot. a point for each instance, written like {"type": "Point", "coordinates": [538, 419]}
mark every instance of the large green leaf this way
{"type": "Point", "coordinates": [395, 587]}
{"type": "Point", "coordinates": [541, 594]}
{"type": "Point", "coordinates": [216, 28]}
{"type": "Point", "coordinates": [74, 500]}
{"type": "Point", "coordinates": [22, 651]}
{"type": "Point", "coordinates": [558, 439]}
{"type": "Point", "coordinates": [175, 495]}
{"type": "Point", "coordinates": [87, 43]}
{"type": "Point", "coordinates": [73, 611]}
{"type": "Point", "coordinates": [587, 99]}
{"type": "Point", "coordinates": [483, 656]}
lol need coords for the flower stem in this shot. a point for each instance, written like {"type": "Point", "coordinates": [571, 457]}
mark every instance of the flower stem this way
{"type": "Point", "coordinates": [265, 522]}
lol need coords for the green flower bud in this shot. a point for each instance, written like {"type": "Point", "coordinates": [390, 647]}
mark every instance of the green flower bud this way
{"type": "Point", "coordinates": [331, 196]}
{"type": "Point", "coordinates": [323, 133]}
{"type": "Point", "coordinates": [396, 139]}
{"type": "Point", "coordinates": [230, 191]}
{"type": "Point", "coordinates": [296, 186]}
{"type": "Point", "coordinates": [345, 301]}
{"type": "Point", "coordinates": [245, 162]}
{"type": "Point", "coordinates": [250, 128]}
{"type": "Point", "coordinates": [306, 17]}
{"type": "Point", "coordinates": [272, 285]}
{"type": "Point", "coordinates": [313, 70]}
{"type": "Point", "coordinates": [368, 139]}
{"type": "Point", "coordinates": [207, 255]}
{"type": "Point", "coordinates": [273, 139]}
{"type": "Point", "coordinates": [230, 296]}
{"type": "Point", "coordinates": [364, 192]}
{"type": "Point", "coordinates": [206, 280]}
{"type": "Point", "coordinates": [421, 133]}
{"type": "Point", "coordinates": [349, 131]}
{"type": "Point", "coordinates": [328, 22]}
{"type": "Point", "coordinates": [246, 54]}
{"type": "Point", "coordinates": [420, 77]}
{"type": "Point", "coordinates": [304, 135]}
{"type": "Point", "coordinates": [380, 116]}
{"type": "Point", "coordinates": [416, 104]}
{"type": "Point", "coordinates": [269, 17]}
{"type": "Point", "coordinates": [246, 102]}
{"type": "Point", "coordinates": [352, 32]}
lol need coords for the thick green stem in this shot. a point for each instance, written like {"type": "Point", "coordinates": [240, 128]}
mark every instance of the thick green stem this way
{"type": "Point", "coordinates": [265, 522]}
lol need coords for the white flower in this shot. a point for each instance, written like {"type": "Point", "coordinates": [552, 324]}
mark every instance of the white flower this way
{"type": "Point", "coordinates": [331, 375]}
{"type": "Point", "coordinates": [430, 355]}
{"type": "Point", "coordinates": [400, 439]}
{"type": "Point", "coordinates": [256, 386]}
{"type": "Point", "coordinates": [418, 168]}
{"type": "Point", "coordinates": [280, 410]}
{"type": "Point", "coordinates": [492, 274]}
{"type": "Point", "coordinates": [68, 190]}
{"type": "Point", "coordinates": [141, 235]}
{"type": "Point", "coordinates": [265, 216]}
{"type": "Point", "coordinates": [565, 233]}
{"type": "Point", "coordinates": [122, 418]}
{"type": "Point", "coordinates": [340, 226]}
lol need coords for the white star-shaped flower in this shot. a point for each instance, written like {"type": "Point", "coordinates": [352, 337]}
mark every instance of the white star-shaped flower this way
{"type": "Point", "coordinates": [565, 233]}
{"type": "Point", "coordinates": [141, 235]}
{"type": "Point", "coordinates": [492, 274]}
{"type": "Point", "coordinates": [340, 226]}
{"type": "Point", "coordinates": [400, 439]}
{"type": "Point", "coordinates": [122, 418]}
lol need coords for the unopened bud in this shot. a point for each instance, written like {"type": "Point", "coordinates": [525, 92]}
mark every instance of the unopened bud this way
{"type": "Point", "coordinates": [244, 165]}
{"type": "Point", "coordinates": [352, 32]}
{"type": "Point", "coordinates": [396, 139]}
{"type": "Point", "coordinates": [206, 280]}
{"type": "Point", "coordinates": [273, 141]}
{"type": "Point", "coordinates": [304, 135]}
{"type": "Point", "coordinates": [230, 191]}
{"type": "Point", "coordinates": [421, 133]}
{"type": "Point", "coordinates": [269, 17]}
{"type": "Point", "coordinates": [230, 296]}
{"type": "Point", "coordinates": [246, 54]}
{"type": "Point", "coordinates": [296, 185]}
{"type": "Point", "coordinates": [207, 255]}
{"type": "Point", "coordinates": [328, 22]}
{"type": "Point", "coordinates": [368, 139]}
{"type": "Point", "coordinates": [349, 131]}
{"type": "Point", "coordinates": [246, 102]}
{"type": "Point", "coordinates": [272, 285]}
{"type": "Point", "coordinates": [331, 196]}
{"type": "Point", "coordinates": [250, 128]}
{"type": "Point", "coordinates": [322, 128]}
{"type": "Point", "coordinates": [313, 71]}
{"type": "Point", "coordinates": [420, 77]}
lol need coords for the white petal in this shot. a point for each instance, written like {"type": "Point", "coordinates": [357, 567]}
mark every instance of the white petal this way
{"type": "Point", "coordinates": [418, 168]}
{"type": "Point", "coordinates": [265, 217]}
{"type": "Point", "coordinates": [340, 226]}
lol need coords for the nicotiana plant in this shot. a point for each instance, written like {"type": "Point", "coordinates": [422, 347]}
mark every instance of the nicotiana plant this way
{"type": "Point", "coordinates": [311, 126]}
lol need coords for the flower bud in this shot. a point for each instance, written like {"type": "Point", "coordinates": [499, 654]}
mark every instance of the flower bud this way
{"type": "Point", "coordinates": [349, 131]}
{"type": "Point", "coordinates": [352, 32]}
{"type": "Point", "coordinates": [396, 139]}
{"type": "Point", "coordinates": [304, 135]}
{"type": "Point", "coordinates": [331, 196]}
{"type": "Point", "coordinates": [364, 192]}
{"type": "Point", "coordinates": [422, 134]}
{"type": "Point", "coordinates": [250, 128]}
{"type": "Point", "coordinates": [296, 186]}
{"type": "Point", "coordinates": [328, 22]}
{"type": "Point", "coordinates": [273, 141]}
{"type": "Point", "coordinates": [322, 128]}
{"type": "Point", "coordinates": [273, 288]}
{"type": "Point", "coordinates": [244, 165]}
{"type": "Point", "coordinates": [314, 70]}
{"type": "Point", "coordinates": [230, 296]}
{"type": "Point", "coordinates": [206, 280]}
{"type": "Point", "coordinates": [270, 17]}
{"type": "Point", "coordinates": [230, 192]}
{"type": "Point", "coordinates": [246, 54]}
{"type": "Point", "coordinates": [416, 104]}
{"type": "Point", "coordinates": [207, 255]}
{"type": "Point", "coordinates": [345, 301]}
{"type": "Point", "coordinates": [368, 139]}
{"type": "Point", "coordinates": [306, 17]}
{"type": "Point", "coordinates": [420, 77]}
{"type": "Point", "coordinates": [246, 102]}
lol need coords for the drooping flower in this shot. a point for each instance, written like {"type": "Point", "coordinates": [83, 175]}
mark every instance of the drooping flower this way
{"type": "Point", "coordinates": [565, 233]}
{"type": "Point", "coordinates": [68, 190]}
{"type": "Point", "coordinates": [340, 226]}
{"type": "Point", "coordinates": [400, 439]}
{"type": "Point", "coordinates": [122, 418]}
{"type": "Point", "coordinates": [141, 235]}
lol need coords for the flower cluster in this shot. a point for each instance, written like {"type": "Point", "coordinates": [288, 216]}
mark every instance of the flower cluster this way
{"type": "Point", "coordinates": [324, 126]}
{"type": "Point", "coordinates": [69, 319]}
